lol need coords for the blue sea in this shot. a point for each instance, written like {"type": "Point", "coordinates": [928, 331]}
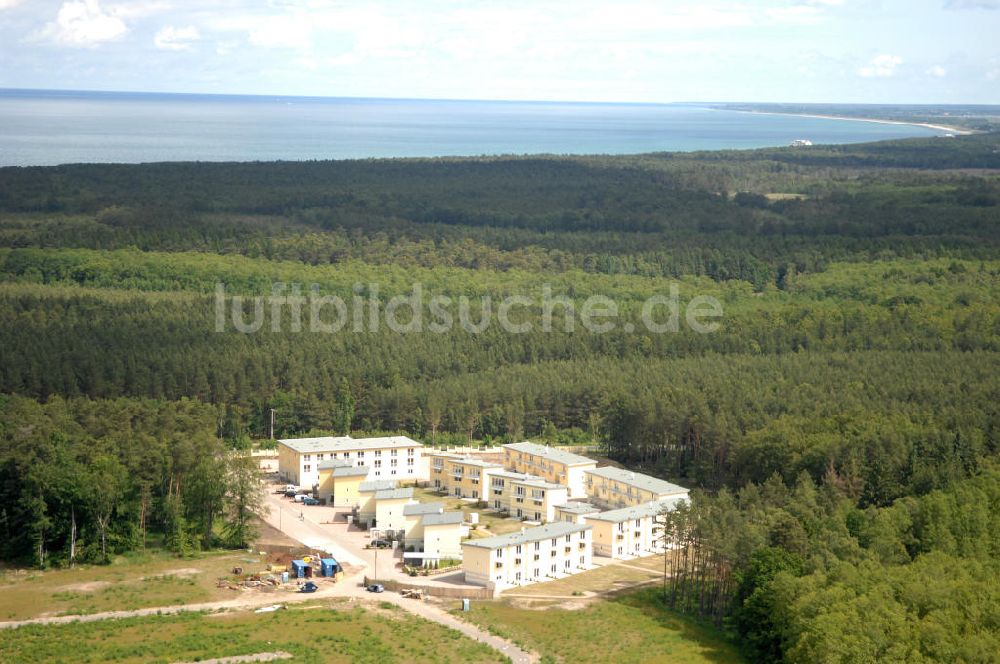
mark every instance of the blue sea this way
{"type": "Point", "coordinates": [56, 127]}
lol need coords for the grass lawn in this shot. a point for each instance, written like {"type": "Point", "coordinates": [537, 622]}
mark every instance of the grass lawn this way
{"type": "Point", "coordinates": [329, 632]}
{"type": "Point", "coordinates": [633, 628]}
{"type": "Point", "coordinates": [601, 579]}
{"type": "Point", "coordinates": [133, 581]}
{"type": "Point", "coordinates": [488, 520]}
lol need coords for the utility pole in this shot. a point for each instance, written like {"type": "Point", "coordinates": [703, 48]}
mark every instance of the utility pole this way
{"type": "Point", "coordinates": [272, 424]}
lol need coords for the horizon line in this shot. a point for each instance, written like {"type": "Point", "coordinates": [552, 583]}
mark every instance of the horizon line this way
{"type": "Point", "coordinates": [479, 100]}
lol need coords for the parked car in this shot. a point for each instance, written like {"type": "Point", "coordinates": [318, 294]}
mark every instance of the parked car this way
{"type": "Point", "coordinates": [300, 497]}
{"type": "Point", "coordinates": [380, 544]}
{"type": "Point", "coordinates": [291, 487]}
{"type": "Point", "coordinates": [376, 588]}
{"type": "Point", "coordinates": [308, 587]}
{"type": "Point", "coordinates": [290, 494]}
{"type": "Point", "coordinates": [310, 501]}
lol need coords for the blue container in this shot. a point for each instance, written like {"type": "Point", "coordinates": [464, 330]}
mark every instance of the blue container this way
{"type": "Point", "coordinates": [329, 566]}
{"type": "Point", "coordinates": [299, 568]}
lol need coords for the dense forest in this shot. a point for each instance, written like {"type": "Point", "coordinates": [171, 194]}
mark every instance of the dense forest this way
{"type": "Point", "coordinates": [840, 425]}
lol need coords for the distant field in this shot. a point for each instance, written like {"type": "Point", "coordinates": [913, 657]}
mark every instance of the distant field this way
{"type": "Point", "coordinates": [318, 635]}
{"type": "Point", "coordinates": [130, 582]}
{"type": "Point", "coordinates": [631, 629]}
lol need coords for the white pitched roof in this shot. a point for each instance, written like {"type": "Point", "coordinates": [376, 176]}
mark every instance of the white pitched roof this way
{"type": "Point", "coordinates": [346, 443]}
{"type": "Point", "coordinates": [550, 453]}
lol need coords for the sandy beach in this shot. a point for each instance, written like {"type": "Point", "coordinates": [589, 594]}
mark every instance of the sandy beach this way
{"type": "Point", "coordinates": [938, 127]}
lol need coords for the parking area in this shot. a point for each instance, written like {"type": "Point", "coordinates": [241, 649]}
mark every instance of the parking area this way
{"type": "Point", "coordinates": [326, 529]}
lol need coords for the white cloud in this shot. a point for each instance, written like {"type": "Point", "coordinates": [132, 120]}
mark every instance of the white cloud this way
{"type": "Point", "coordinates": [882, 66]}
{"type": "Point", "coordinates": [170, 38]}
{"type": "Point", "coordinates": [937, 70]}
{"type": "Point", "coordinates": [83, 23]}
{"type": "Point", "coordinates": [7, 4]}
{"type": "Point", "coordinates": [972, 4]}
{"type": "Point", "coordinates": [282, 32]}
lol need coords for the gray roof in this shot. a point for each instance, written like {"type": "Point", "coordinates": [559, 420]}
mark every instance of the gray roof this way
{"type": "Point", "coordinates": [578, 508]}
{"type": "Point", "coordinates": [471, 461]}
{"type": "Point", "coordinates": [423, 508]}
{"type": "Point", "coordinates": [511, 475]}
{"type": "Point", "coordinates": [549, 530]}
{"type": "Point", "coordinates": [346, 443]}
{"type": "Point", "coordinates": [550, 453]}
{"type": "Point", "coordinates": [343, 468]}
{"type": "Point", "coordinates": [636, 511]}
{"type": "Point", "coordinates": [332, 463]}
{"type": "Point", "coordinates": [394, 494]}
{"type": "Point", "coordinates": [443, 519]}
{"type": "Point", "coordinates": [377, 485]}
{"type": "Point", "coordinates": [539, 483]}
{"type": "Point", "coordinates": [638, 480]}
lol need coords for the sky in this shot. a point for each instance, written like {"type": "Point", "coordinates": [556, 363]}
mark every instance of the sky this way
{"type": "Point", "coordinates": [847, 51]}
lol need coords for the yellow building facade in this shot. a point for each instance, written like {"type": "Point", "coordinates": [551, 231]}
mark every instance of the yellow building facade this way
{"type": "Point", "coordinates": [551, 551]}
{"type": "Point", "coordinates": [615, 488]}
{"type": "Point", "coordinates": [551, 464]}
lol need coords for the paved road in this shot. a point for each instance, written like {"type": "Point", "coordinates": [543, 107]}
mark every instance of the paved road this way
{"type": "Point", "coordinates": [299, 522]}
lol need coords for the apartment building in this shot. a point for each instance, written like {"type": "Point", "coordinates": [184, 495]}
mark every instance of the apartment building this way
{"type": "Point", "coordinates": [413, 515]}
{"type": "Point", "coordinates": [551, 464]}
{"type": "Point", "coordinates": [574, 512]}
{"type": "Point", "coordinates": [390, 457]}
{"type": "Point", "coordinates": [535, 554]}
{"type": "Point", "coordinates": [628, 532]}
{"type": "Point", "coordinates": [614, 488]}
{"type": "Point", "coordinates": [443, 535]}
{"type": "Point", "coordinates": [340, 481]}
{"type": "Point", "coordinates": [365, 512]}
{"type": "Point", "coordinates": [389, 506]}
{"type": "Point", "coordinates": [460, 476]}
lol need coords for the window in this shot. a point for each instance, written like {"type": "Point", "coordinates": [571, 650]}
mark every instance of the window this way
{"type": "Point", "coordinates": [499, 553]}
{"type": "Point", "coordinates": [409, 462]}
{"type": "Point", "coordinates": [582, 560]}
{"type": "Point", "coordinates": [518, 549]}
{"type": "Point", "coordinates": [538, 545]}
{"type": "Point", "coordinates": [361, 455]}
{"type": "Point", "coordinates": [393, 471]}
{"type": "Point", "coordinates": [638, 523]}
{"type": "Point", "coordinates": [378, 463]}
{"type": "Point", "coordinates": [409, 451]}
{"type": "Point", "coordinates": [392, 452]}
{"type": "Point", "coordinates": [319, 457]}
{"type": "Point", "coordinates": [307, 457]}
{"type": "Point", "coordinates": [554, 568]}
{"type": "Point", "coordinates": [566, 563]}
{"type": "Point", "coordinates": [536, 558]}
{"type": "Point", "coordinates": [538, 516]}
{"type": "Point", "coordinates": [517, 576]}
{"type": "Point", "coordinates": [306, 468]}
{"type": "Point", "coordinates": [378, 473]}
{"type": "Point", "coordinates": [555, 541]}
{"type": "Point", "coordinates": [499, 565]}
{"type": "Point", "coordinates": [568, 537]}
{"type": "Point", "coordinates": [378, 453]}
{"type": "Point", "coordinates": [392, 463]}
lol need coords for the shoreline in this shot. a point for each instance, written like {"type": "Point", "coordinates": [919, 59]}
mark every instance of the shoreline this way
{"type": "Point", "coordinates": [927, 125]}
